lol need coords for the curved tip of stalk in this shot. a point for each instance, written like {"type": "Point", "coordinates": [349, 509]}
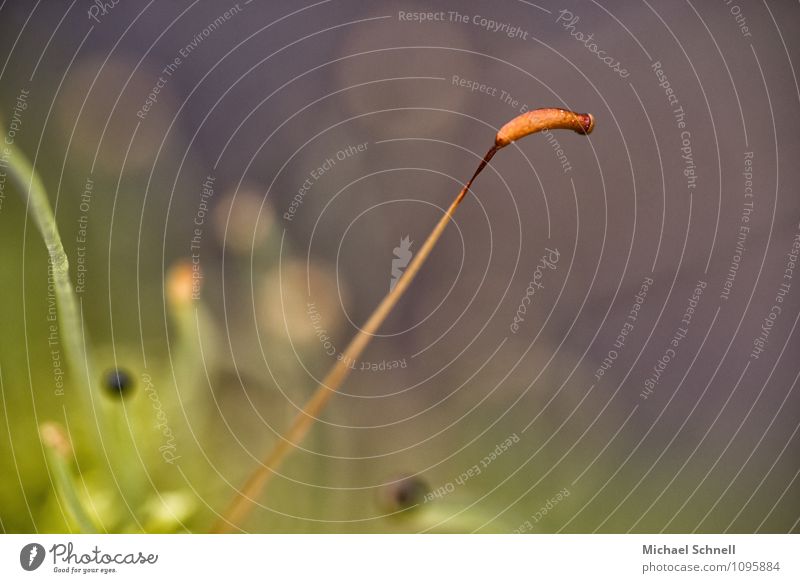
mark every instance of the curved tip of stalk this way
{"type": "Point", "coordinates": [587, 121]}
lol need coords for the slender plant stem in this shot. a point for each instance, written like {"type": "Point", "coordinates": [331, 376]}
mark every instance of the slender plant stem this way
{"type": "Point", "coordinates": [70, 327]}
{"type": "Point", "coordinates": [58, 450]}
{"type": "Point", "coordinates": [245, 498]}
{"type": "Point", "coordinates": [523, 125]}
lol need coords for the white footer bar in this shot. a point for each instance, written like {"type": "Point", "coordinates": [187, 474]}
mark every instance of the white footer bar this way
{"type": "Point", "coordinates": [401, 558]}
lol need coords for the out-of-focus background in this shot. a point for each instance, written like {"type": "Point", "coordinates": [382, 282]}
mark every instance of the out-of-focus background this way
{"type": "Point", "coordinates": [604, 340]}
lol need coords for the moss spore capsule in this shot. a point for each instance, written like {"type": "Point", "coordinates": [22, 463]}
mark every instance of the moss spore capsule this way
{"type": "Point", "coordinates": [548, 118]}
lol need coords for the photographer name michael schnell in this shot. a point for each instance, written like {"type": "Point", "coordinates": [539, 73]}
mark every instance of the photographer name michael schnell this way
{"type": "Point", "coordinates": [685, 550]}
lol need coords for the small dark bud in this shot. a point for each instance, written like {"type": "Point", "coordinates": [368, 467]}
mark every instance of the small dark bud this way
{"type": "Point", "coordinates": [118, 382]}
{"type": "Point", "coordinates": [404, 493]}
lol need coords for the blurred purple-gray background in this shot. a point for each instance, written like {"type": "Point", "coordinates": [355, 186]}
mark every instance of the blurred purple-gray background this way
{"type": "Point", "coordinates": [651, 372]}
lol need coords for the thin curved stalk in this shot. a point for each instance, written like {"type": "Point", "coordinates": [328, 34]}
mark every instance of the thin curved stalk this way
{"type": "Point", "coordinates": [521, 126]}
{"type": "Point", "coordinates": [70, 323]}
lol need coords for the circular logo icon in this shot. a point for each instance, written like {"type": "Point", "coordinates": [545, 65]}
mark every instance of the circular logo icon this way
{"type": "Point", "coordinates": [31, 556]}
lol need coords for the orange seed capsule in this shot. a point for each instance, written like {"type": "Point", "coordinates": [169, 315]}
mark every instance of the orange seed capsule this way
{"type": "Point", "coordinates": [543, 119]}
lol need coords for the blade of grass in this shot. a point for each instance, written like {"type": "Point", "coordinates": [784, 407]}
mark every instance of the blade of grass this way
{"type": "Point", "coordinates": [521, 126]}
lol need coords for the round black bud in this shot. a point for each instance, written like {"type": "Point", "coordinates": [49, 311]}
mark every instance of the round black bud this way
{"type": "Point", "coordinates": [118, 382]}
